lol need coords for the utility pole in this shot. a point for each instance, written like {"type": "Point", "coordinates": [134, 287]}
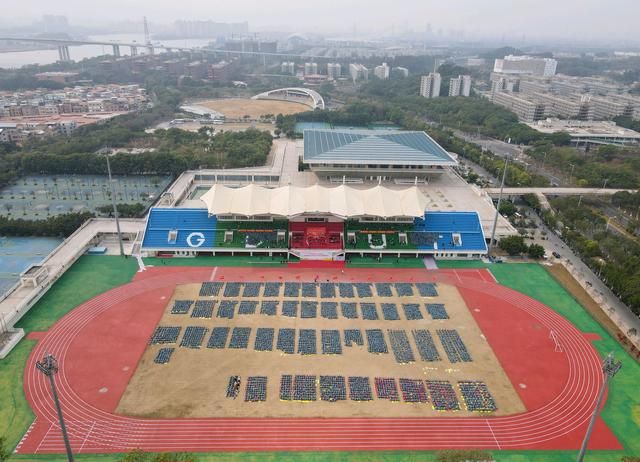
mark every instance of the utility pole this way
{"type": "Point", "coordinates": [495, 218]}
{"type": "Point", "coordinates": [49, 367]}
{"type": "Point", "coordinates": [609, 369]}
{"type": "Point", "coordinates": [115, 209]}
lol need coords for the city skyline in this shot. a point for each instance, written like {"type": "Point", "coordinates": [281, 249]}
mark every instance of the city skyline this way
{"type": "Point", "coordinates": [574, 20]}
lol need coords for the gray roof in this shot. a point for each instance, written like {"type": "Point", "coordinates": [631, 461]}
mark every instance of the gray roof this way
{"type": "Point", "coordinates": [390, 147]}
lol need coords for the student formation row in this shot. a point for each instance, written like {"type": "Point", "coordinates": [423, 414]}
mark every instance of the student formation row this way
{"type": "Point", "coordinates": [307, 341]}
{"type": "Point", "coordinates": [312, 289]}
{"type": "Point", "coordinates": [204, 309]}
{"type": "Point", "coordinates": [334, 388]}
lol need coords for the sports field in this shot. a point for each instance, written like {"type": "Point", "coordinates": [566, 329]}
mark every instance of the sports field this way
{"type": "Point", "coordinates": [237, 108]}
{"type": "Point", "coordinates": [621, 412]}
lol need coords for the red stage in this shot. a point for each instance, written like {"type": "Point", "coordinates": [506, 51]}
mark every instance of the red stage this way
{"type": "Point", "coordinates": [316, 235]}
{"type": "Point", "coordinates": [100, 343]}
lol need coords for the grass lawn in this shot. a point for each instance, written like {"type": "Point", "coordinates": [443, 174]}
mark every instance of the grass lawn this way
{"type": "Point", "coordinates": [241, 261]}
{"type": "Point", "coordinates": [92, 275]}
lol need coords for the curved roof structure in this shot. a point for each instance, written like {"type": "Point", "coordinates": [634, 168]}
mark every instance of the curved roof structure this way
{"type": "Point", "coordinates": [288, 201]}
{"type": "Point", "coordinates": [284, 94]}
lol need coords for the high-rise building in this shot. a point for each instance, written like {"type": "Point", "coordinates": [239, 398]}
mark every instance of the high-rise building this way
{"type": "Point", "coordinates": [430, 85]}
{"type": "Point", "coordinates": [334, 70]}
{"type": "Point", "coordinates": [460, 86]}
{"type": "Point", "coordinates": [358, 72]}
{"type": "Point", "coordinates": [525, 65]}
{"type": "Point", "coordinates": [382, 71]}
{"type": "Point", "coordinates": [288, 67]}
{"type": "Point", "coordinates": [310, 68]}
{"type": "Point", "coordinates": [403, 71]}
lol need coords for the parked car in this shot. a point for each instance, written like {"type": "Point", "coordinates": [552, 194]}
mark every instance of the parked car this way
{"type": "Point", "coordinates": [556, 254]}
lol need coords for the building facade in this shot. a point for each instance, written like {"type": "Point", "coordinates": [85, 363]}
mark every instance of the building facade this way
{"type": "Point", "coordinates": [430, 85]}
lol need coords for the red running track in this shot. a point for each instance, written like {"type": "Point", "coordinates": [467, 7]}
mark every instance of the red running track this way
{"type": "Point", "coordinates": [557, 388]}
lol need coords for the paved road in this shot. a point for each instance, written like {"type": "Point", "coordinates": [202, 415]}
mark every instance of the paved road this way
{"type": "Point", "coordinates": [583, 274]}
{"type": "Point", "coordinates": [556, 191]}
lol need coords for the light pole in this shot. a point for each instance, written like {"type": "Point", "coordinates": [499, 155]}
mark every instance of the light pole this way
{"type": "Point", "coordinates": [115, 209]}
{"type": "Point", "coordinates": [49, 367]}
{"type": "Point", "coordinates": [609, 369]}
{"type": "Point", "coordinates": [495, 218]}
{"type": "Point", "coordinates": [571, 174]}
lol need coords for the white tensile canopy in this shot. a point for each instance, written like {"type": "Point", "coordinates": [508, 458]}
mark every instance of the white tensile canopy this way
{"type": "Point", "coordinates": [288, 201]}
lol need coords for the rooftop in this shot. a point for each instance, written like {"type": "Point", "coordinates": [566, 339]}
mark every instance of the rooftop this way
{"type": "Point", "coordinates": [386, 147]}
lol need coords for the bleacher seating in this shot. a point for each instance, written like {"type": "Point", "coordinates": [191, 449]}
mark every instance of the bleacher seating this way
{"type": "Point", "coordinates": [443, 225]}
{"type": "Point", "coordinates": [316, 235]}
{"type": "Point", "coordinates": [185, 221]}
{"type": "Point", "coordinates": [250, 234]}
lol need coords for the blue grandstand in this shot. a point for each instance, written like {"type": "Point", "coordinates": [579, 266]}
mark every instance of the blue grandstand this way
{"type": "Point", "coordinates": [453, 231]}
{"type": "Point", "coordinates": [178, 228]}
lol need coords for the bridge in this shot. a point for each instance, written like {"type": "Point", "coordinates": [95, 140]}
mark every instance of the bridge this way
{"type": "Point", "coordinates": [64, 44]}
{"type": "Point", "coordinates": [494, 192]}
{"type": "Point", "coordinates": [289, 94]}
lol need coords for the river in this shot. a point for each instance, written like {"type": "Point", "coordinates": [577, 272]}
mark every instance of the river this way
{"type": "Point", "coordinates": [16, 59]}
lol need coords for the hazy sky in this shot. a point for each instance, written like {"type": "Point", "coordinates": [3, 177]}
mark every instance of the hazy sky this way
{"type": "Point", "coordinates": [586, 19]}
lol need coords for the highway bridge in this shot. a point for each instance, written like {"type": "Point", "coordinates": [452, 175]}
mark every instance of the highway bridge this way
{"type": "Point", "coordinates": [495, 192]}
{"type": "Point", "coordinates": [64, 44]}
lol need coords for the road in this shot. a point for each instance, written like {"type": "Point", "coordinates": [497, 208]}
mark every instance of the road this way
{"type": "Point", "coordinates": [583, 274]}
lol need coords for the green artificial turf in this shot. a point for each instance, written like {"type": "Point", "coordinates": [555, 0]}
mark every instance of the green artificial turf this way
{"type": "Point", "coordinates": [238, 261]}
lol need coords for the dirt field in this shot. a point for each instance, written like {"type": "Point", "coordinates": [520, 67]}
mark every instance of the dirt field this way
{"type": "Point", "coordinates": [237, 108]}
{"type": "Point", "coordinates": [194, 382]}
{"type": "Point", "coordinates": [227, 127]}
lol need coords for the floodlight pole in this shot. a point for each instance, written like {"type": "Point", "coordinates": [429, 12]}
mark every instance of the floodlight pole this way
{"type": "Point", "coordinates": [115, 209]}
{"type": "Point", "coordinates": [49, 367]}
{"type": "Point", "coordinates": [609, 369]}
{"type": "Point", "coordinates": [495, 218]}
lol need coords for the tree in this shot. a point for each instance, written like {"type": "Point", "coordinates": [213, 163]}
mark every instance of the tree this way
{"type": "Point", "coordinates": [513, 245]}
{"type": "Point", "coordinates": [507, 208]}
{"type": "Point", "coordinates": [5, 453]}
{"type": "Point", "coordinates": [535, 251]}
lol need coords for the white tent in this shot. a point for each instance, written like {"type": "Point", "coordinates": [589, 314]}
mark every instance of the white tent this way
{"type": "Point", "coordinates": [288, 201]}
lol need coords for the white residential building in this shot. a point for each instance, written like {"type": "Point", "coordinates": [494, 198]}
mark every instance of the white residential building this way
{"type": "Point", "coordinates": [526, 65]}
{"type": "Point", "coordinates": [358, 72]}
{"type": "Point", "coordinates": [430, 85]}
{"type": "Point", "coordinates": [460, 86]}
{"type": "Point", "coordinates": [382, 72]}
{"type": "Point", "coordinates": [334, 70]}
{"type": "Point", "coordinates": [288, 67]}
{"type": "Point", "coordinates": [403, 71]}
{"type": "Point", "coordinates": [310, 68]}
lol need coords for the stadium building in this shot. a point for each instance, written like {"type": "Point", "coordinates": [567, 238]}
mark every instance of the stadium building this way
{"type": "Point", "coordinates": [325, 221]}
